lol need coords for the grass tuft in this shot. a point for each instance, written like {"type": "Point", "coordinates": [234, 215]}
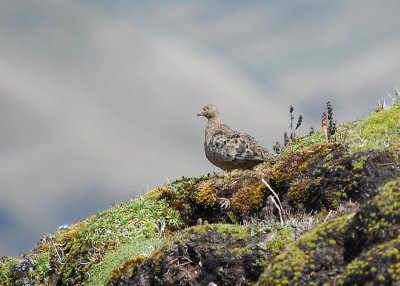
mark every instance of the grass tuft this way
{"type": "Point", "coordinates": [103, 271]}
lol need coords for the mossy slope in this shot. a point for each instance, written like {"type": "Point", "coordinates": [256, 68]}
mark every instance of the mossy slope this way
{"type": "Point", "coordinates": [192, 229]}
{"type": "Point", "coordinates": [350, 250]}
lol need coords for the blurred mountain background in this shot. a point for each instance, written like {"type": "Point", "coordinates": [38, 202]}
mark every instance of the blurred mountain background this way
{"type": "Point", "coordinates": [98, 99]}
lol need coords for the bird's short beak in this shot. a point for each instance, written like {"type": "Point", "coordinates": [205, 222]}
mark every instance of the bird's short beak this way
{"type": "Point", "coordinates": [200, 114]}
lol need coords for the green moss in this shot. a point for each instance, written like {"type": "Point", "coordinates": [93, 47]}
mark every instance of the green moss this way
{"type": "Point", "coordinates": [298, 191]}
{"type": "Point", "coordinates": [378, 129]}
{"type": "Point", "coordinates": [332, 242]}
{"type": "Point", "coordinates": [232, 217]}
{"type": "Point", "coordinates": [178, 192]}
{"type": "Point", "coordinates": [329, 157]}
{"type": "Point", "coordinates": [237, 231]}
{"type": "Point", "coordinates": [181, 187]}
{"type": "Point", "coordinates": [206, 195]}
{"type": "Point", "coordinates": [359, 165]}
{"type": "Point", "coordinates": [300, 258]}
{"type": "Point", "coordinates": [111, 265]}
{"type": "Point", "coordinates": [105, 243]}
{"type": "Point", "coordinates": [336, 198]}
{"type": "Point", "coordinates": [377, 220]}
{"type": "Point", "coordinates": [218, 251]}
{"type": "Point", "coordinates": [73, 251]}
{"type": "Point", "coordinates": [248, 199]}
{"type": "Point", "coordinates": [238, 252]}
{"type": "Point", "coordinates": [201, 229]}
{"type": "Point", "coordinates": [374, 132]}
{"type": "Point", "coordinates": [380, 124]}
{"type": "Point", "coordinates": [335, 204]}
{"type": "Point", "coordinates": [294, 161]}
{"type": "Point", "coordinates": [383, 259]}
{"type": "Point", "coordinates": [6, 266]}
{"type": "Point", "coordinates": [263, 262]}
{"type": "Point", "coordinates": [282, 237]}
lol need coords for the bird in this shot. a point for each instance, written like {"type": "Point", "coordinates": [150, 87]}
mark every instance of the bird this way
{"type": "Point", "coordinates": [229, 149]}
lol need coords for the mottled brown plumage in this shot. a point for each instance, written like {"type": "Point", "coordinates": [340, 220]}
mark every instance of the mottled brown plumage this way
{"type": "Point", "coordinates": [227, 148]}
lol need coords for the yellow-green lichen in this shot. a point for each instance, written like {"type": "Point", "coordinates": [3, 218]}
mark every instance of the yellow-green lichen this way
{"type": "Point", "coordinates": [383, 259]}
{"type": "Point", "coordinates": [332, 242]}
{"type": "Point", "coordinates": [359, 165]}
{"type": "Point", "coordinates": [279, 239]}
{"type": "Point", "coordinates": [382, 212]}
{"type": "Point", "coordinates": [238, 252]}
{"type": "Point", "coordinates": [298, 257]}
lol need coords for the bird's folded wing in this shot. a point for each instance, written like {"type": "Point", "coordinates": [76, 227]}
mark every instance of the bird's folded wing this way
{"type": "Point", "coordinates": [234, 147]}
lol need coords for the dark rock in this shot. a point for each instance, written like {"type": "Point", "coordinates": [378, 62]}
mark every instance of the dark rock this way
{"type": "Point", "coordinates": [203, 255]}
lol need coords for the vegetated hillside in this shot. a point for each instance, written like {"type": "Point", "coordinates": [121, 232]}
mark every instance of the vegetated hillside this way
{"type": "Point", "coordinates": [326, 213]}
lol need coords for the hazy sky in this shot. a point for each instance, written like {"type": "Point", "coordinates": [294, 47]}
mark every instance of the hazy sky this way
{"type": "Point", "coordinates": [98, 98]}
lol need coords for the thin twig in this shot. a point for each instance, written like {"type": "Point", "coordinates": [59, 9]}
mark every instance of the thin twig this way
{"type": "Point", "coordinates": [278, 208]}
{"type": "Point", "coordinates": [186, 263]}
{"type": "Point", "coordinates": [327, 217]}
{"type": "Point", "coordinates": [275, 199]}
{"type": "Point", "coordinates": [273, 192]}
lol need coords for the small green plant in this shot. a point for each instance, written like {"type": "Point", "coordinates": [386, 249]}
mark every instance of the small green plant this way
{"type": "Point", "coordinates": [6, 266]}
{"type": "Point", "coordinates": [42, 268]}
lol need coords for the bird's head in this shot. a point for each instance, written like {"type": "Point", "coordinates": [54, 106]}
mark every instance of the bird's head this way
{"type": "Point", "coordinates": [209, 111]}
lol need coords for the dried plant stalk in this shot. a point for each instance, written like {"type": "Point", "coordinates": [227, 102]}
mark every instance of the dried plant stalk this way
{"type": "Point", "coordinates": [291, 120]}
{"type": "Point", "coordinates": [332, 123]}
{"type": "Point", "coordinates": [299, 121]}
{"type": "Point", "coordinates": [324, 125]}
{"type": "Point", "coordinates": [286, 139]}
{"type": "Point", "coordinates": [277, 202]}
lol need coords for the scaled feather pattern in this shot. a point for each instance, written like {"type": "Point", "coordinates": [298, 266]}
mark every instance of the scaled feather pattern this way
{"type": "Point", "coordinates": [229, 149]}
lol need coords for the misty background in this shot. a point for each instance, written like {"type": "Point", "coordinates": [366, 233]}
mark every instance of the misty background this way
{"type": "Point", "coordinates": [98, 99]}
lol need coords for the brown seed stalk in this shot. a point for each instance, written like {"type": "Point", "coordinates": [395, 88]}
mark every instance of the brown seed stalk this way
{"type": "Point", "coordinates": [299, 121]}
{"type": "Point", "coordinates": [324, 124]}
